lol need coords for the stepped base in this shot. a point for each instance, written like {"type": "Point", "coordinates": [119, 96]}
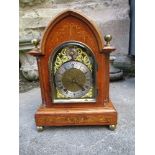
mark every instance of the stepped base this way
{"type": "Point", "coordinates": [106, 115]}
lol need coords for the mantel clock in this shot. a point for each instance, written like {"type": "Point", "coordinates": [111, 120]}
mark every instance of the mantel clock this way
{"type": "Point", "coordinates": [73, 65]}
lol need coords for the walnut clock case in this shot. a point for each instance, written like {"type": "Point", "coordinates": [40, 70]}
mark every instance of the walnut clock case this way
{"type": "Point", "coordinates": [73, 65]}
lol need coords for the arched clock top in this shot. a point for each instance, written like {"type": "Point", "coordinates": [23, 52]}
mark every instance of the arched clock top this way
{"type": "Point", "coordinates": [71, 25]}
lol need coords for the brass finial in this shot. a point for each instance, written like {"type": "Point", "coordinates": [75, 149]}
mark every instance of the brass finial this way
{"type": "Point", "coordinates": [35, 42]}
{"type": "Point", "coordinates": [108, 38]}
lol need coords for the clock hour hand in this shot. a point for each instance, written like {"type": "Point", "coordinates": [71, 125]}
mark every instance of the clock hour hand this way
{"type": "Point", "coordinates": [74, 81]}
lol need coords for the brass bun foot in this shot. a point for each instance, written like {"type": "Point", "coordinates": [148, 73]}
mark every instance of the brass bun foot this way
{"type": "Point", "coordinates": [112, 127]}
{"type": "Point", "coordinates": [40, 128]}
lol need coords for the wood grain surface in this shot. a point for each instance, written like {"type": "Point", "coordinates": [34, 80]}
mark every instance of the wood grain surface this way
{"type": "Point", "coordinates": [72, 26]}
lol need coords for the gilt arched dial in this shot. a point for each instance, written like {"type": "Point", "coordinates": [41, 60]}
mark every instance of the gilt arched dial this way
{"type": "Point", "coordinates": [73, 71]}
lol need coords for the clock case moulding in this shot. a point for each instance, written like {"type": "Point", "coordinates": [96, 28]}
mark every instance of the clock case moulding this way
{"type": "Point", "coordinates": [73, 26]}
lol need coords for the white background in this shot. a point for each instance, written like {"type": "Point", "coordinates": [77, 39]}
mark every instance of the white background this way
{"type": "Point", "coordinates": [145, 77]}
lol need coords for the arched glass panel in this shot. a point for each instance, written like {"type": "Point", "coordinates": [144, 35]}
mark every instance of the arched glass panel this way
{"type": "Point", "coordinates": [72, 68]}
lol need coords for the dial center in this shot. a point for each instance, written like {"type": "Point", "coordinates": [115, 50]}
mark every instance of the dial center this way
{"type": "Point", "coordinates": [73, 79]}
